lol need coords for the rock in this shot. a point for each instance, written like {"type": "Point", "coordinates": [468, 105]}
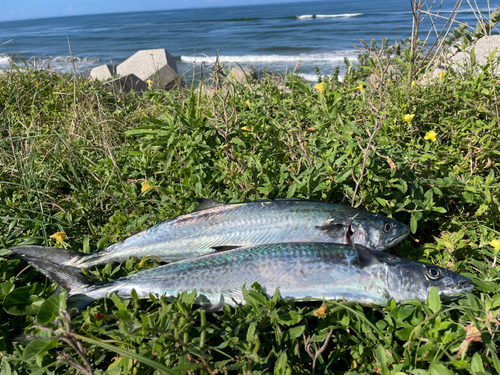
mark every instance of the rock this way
{"type": "Point", "coordinates": [103, 72]}
{"type": "Point", "coordinates": [127, 83]}
{"type": "Point", "coordinates": [156, 65]}
{"type": "Point", "coordinates": [242, 75]}
{"type": "Point", "coordinates": [482, 48]}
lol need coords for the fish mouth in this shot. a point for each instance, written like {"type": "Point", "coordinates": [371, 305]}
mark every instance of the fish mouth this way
{"type": "Point", "coordinates": [395, 240]}
{"type": "Point", "coordinates": [457, 290]}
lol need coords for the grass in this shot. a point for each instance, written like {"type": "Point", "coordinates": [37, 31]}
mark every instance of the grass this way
{"type": "Point", "coordinates": [74, 157]}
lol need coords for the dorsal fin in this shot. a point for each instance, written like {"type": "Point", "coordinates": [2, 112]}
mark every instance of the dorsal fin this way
{"type": "Point", "coordinates": [224, 248]}
{"type": "Point", "coordinates": [365, 256]}
{"type": "Point", "coordinates": [205, 203]}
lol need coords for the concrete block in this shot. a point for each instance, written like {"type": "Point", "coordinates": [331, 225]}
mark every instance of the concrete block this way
{"type": "Point", "coordinates": [156, 65]}
{"type": "Point", "coordinates": [391, 73]}
{"type": "Point", "coordinates": [103, 72]}
{"type": "Point", "coordinates": [242, 75]}
{"type": "Point", "coordinates": [482, 48]}
{"type": "Point", "coordinates": [128, 83]}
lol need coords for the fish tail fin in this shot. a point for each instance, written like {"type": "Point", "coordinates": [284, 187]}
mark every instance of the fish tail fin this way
{"type": "Point", "coordinates": [69, 278]}
{"type": "Point", "coordinates": [51, 254]}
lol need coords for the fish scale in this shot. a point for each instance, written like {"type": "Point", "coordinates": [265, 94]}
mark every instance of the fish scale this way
{"type": "Point", "coordinates": [217, 226]}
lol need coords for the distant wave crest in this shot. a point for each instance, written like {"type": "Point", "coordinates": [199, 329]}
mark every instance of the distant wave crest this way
{"type": "Point", "coordinates": [344, 15]}
{"type": "Point", "coordinates": [334, 56]}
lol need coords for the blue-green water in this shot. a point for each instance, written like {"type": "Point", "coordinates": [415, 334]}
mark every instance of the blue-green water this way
{"type": "Point", "coordinates": [272, 37]}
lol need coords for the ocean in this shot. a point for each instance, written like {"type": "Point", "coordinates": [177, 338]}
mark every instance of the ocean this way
{"type": "Point", "coordinates": [319, 34]}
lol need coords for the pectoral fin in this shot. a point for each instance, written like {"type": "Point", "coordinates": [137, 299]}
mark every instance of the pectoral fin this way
{"type": "Point", "coordinates": [334, 230]}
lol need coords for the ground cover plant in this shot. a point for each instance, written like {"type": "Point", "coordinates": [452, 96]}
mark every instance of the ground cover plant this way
{"type": "Point", "coordinates": [82, 167]}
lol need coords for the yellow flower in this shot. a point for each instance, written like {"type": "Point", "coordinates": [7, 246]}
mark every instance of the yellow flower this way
{"type": "Point", "coordinates": [413, 83]}
{"type": "Point", "coordinates": [59, 237]}
{"type": "Point", "coordinates": [247, 103]}
{"type": "Point", "coordinates": [441, 75]}
{"type": "Point", "coordinates": [145, 187]}
{"type": "Point", "coordinates": [431, 136]}
{"type": "Point", "coordinates": [245, 128]}
{"type": "Point", "coordinates": [495, 244]}
{"type": "Point", "coordinates": [360, 87]}
{"type": "Point", "coordinates": [320, 87]}
{"type": "Point", "coordinates": [149, 82]}
{"type": "Point", "coordinates": [321, 312]}
{"type": "Point", "coordinates": [408, 118]}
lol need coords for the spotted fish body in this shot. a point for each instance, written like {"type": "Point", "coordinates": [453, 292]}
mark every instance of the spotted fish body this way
{"type": "Point", "coordinates": [297, 270]}
{"type": "Point", "coordinates": [222, 226]}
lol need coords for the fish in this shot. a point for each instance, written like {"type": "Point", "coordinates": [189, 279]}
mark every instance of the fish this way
{"type": "Point", "coordinates": [299, 271]}
{"type": "Point", "coordinates": [215, 226]}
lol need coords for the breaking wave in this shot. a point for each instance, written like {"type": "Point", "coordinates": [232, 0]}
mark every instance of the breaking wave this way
{"type": "Point", "coordinates": [59, 64]}
{"type": "Point", "coordinates": [314, 77]}
{"type": "Point", "coordinates": [336, 56]}
{"type": "Point", "coordinates": [345, 15]}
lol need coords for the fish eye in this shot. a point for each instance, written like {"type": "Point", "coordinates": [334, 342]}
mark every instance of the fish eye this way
{"type": "Point", "coordinates": [388, 227]}
{"type": "Point", "coordinates": [433, 273]}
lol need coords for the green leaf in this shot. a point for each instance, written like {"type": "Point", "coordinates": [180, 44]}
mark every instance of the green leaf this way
{"type": "Point", "coordinates": [21, 301]}
{"type": "Point", "coordinates": [251, 332]}
{"type": "Point", "coordinates": [50, 308]}
{"type": "Point", "coordinates": [296, 331]}
{"type": "Point", "coordinates": [118, 302]}
{"type": "Point", "coordinates": [280, 366]}
{"type": "Point", "coordinates": [5, 288]}
{"type": "Point", "coordinates": [5, 369]}
{"type": "Point", "coordinates": [434, 300]}
{"type": "Point", "coordinates": [477, 364]}
{"type": "Point", "coordinates": [343, 176]}
{"type": "Point", "coordinates": [36, 347]}
{"type": "Point", "coordinates": [441, 210]}
{"type": "Point", "coordinates": [437, 368]}
{"type": "Point", "coordinates": [413, 224]}
{"type": "Point", "coordinates": [382, 359]}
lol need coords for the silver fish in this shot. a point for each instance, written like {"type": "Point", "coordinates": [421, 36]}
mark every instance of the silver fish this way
{"type": "Point", "coordinates": [215, 226]}
{"type": "Point", "coordinates": [298, 270]}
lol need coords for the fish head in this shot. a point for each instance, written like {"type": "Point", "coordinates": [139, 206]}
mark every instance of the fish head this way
{"type": "Point", "coordinates": [409, 279]}
{"type": "Point", "coordinates": [376, 232]}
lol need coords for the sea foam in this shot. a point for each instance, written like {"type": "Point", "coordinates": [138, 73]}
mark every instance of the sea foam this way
{"type": "Point", "coordinates": [4, 61]}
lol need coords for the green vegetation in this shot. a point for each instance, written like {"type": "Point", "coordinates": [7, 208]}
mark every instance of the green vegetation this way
{"type": "Point", "coordinates": [97, 165]}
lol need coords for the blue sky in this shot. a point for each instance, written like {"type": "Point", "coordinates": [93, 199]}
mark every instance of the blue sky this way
{"type": "Point", "coordinates": [28, 9]}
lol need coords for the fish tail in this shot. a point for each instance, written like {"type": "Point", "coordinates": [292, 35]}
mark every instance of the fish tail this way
{"type": "Point", "coordinates": [69, 278]}
{"type": "Point", "coordinates": [57, 256]}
